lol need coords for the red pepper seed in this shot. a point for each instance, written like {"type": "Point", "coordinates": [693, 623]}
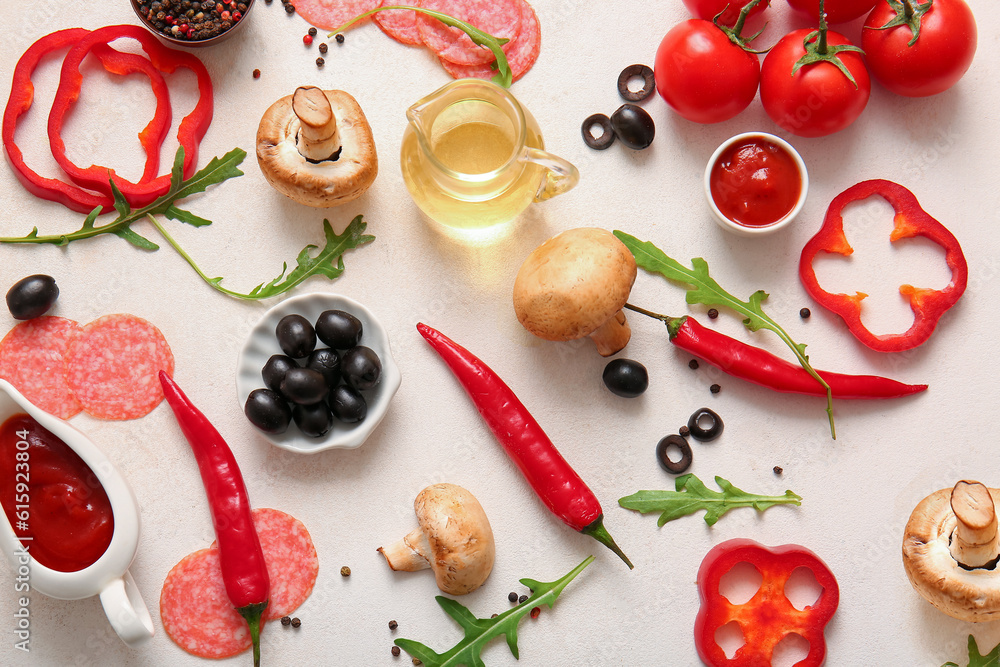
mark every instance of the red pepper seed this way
{"type": "Point", "coordinates": [256, 74]}
{"type": "Point", "coordinates": [226, 15]}
{"type": "Point", "coordinates": [307, 40]}
{"type": "Point", "coordinates": [535, 612]}
{"type": "Point", "coordinates": [237, 16]}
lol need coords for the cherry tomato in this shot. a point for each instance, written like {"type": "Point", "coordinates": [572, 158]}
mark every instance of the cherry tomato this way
{"type": "Point", "coordinates": [818, 99]}
{"type": "Point", "coordinates": [703, 75]}
{"type": "Point", "coordinates": [938, 58]}
{"type": "Point", "coordinates": [837, 11]}
{"type": "Point", "coordinates": [709, 9]}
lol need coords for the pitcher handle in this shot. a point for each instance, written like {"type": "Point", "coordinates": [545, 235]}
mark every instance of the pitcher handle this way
{"type": "Point", "coordinates": [560, 175]}
{"type": "Point", "coordinates": [126, 611]}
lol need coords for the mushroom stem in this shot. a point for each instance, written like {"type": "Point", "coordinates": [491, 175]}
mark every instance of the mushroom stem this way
{"type": "Point", "coordinates": [613, 335]}
{"type": "Point", "coordinates": [975, 539]}
{"type": "Point", "coordinates": [318, 139]}
{"type": "Point", "coordinates": [408, 554]}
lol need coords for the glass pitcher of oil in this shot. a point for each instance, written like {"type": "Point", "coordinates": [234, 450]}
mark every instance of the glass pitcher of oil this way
{"type": "Point", "coordinates": [473, 157]}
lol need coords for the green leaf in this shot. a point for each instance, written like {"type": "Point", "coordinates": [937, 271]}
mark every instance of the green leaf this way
{"type": "Point", "coordinates": [991, 659]}
{"type": "Point", "coordinates": [135, 239]}
{"type": "Point", "coordinates": [479, 631]}
{"type": "Point", "coordinates": [121, 205]}
{"type": "Point", "coordinates": [692, 495]}
{"type": "Point", "coordinates": [215, 172]}
{"type": "Point", "coordinates": [174, 213]}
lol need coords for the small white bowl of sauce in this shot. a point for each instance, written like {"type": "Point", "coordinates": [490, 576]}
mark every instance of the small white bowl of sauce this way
{"type": "Point", "coordinates": [755, 183]}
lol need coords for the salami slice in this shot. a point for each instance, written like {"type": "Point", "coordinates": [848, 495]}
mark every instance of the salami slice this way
{"type": "Point", "coordinates": [291, 560]}
{"type": "Point", "coordinates": [500, 18]}
{"type": "Point", "coordinates": [400, 24]}
{"type": "Point", "coordinates": [521, 53]}
{"type": "Point", "coordinates": [112, 366]}
{"type": "Point", "coordinates": [330, 14]}
{"type": "Point", "coordinates": [32, 358]}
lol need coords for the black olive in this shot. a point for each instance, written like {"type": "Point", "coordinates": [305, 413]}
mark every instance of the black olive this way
{"type": "Point", "coordinates": [648, 82]}
{"type": "Point", "coordinates": [313, 420]}
{"type": "Point", "coordinates": [338, 329]}
{"type": "Point", "coordinates": [361, 367]}
{"type": "Point", "coordinates": [705, 433]}
{"type": "Point", "coordinates": [633, 126]}
{"type": "Point", "coordinates": [274, 371]}
{"type": "Point", "coordinates": [31, 297]}
{"type": "Point", "coordinates": [304, 386]}
{"type": "Point", "coordinates": [348, 404]}
{"type": "Point", "coordinates": [267, 411]}
{"type": "Point", "coordinates": [605, 138]}
{"type": "Point", "coordinates": [625, 377]}
{"type": "Point", "coordinates": [326, 362]}
{"type": "Point", "coordinates": [296, 336]}
{"type": "Point", "coordinates": [663, 450]}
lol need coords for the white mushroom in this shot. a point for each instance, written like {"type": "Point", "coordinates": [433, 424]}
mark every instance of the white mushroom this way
{"type": "Point", "coordinates": [316, 147]}
{"type": "Point", "coordinates": [950, 551]}
{"type": "Point", "coordinates": [575, 285]}
{"type": "Point", "coordinates": [454, 538]}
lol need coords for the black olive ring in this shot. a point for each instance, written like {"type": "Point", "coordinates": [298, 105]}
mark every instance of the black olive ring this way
{"type": "Point", "coordinates": [648, 83]}
{"type": "Point", "coordinates": [700, 433]}
{"type": "Point", "coordinates": [607, 136]}
{"type": "Point", "coordinates": [674, 467]}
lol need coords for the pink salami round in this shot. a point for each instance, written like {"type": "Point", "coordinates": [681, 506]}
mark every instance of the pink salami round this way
{"type": "Point", "coordinates": [521, 53]}
{"type": "Point", "coordinates": [330, 14]}
{"type": "Point", "coordinates": [112, 366]}
{"type": "Point", "coordinates": [291, 559]}
{"type": "Point", "coordinates": [400, 24]}
{"type": "Point", "coordinates": [33, 359]}
{"type": "Point", "coordinates": [500, 18]}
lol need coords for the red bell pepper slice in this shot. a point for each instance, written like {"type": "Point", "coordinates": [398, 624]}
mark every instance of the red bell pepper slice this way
{"type": "Point", "coordinates": [911, 220]}
{"type": "Point", "coordinates": [768, 616]}
{"type": "Point", "coordinates": [189, 134]}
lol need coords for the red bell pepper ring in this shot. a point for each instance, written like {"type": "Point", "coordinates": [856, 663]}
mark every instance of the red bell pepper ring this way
{"type": "Point", "coordinates": [768, 616]}
{"type": "Point", "coordinates": [911, 220]}
{"type": "Point", "coordinates": [189, 134]}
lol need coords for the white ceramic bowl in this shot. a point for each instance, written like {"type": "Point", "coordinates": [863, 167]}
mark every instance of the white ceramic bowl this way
{"type": "Point", "coordinates": [744, 230]}
{"type": "Point", "coordinates": [262, 343]}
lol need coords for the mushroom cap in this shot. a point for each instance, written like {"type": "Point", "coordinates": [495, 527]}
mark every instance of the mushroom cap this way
{"type": "Point", "coordinates": [328, 183]}
{"type": "Point", "coordinates": [968, 595]}
{"type": "Point", "coordinates": [459, 535]}
{"type": "Point", "coordinates": [573, 283]}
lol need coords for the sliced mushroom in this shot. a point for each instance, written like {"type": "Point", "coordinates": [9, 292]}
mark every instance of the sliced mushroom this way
{"type": "Point", "coordinates": [454, 539]}
{"type": "Point", "coordinates": [316, 147]}
{"type": "Point", "coordinates": [951, 548]}
{"type": "Point", "coordinates": [575, 285]}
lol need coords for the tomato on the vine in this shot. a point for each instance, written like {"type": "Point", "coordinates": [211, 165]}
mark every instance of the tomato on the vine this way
{"type": "Point", "coordinates": [709, 9]}
{"type": "Point", "coordinates": [925, 49]}
{"type": "Point", "coordinates": [805, 91]}
{"type": "Point", "coordinates": [837, 11]}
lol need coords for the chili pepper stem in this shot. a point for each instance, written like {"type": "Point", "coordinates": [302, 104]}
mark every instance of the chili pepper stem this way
{"type": "Point", "coordinates": [252, 613]}
{"type": "Point", "coordinates": [601, 534]}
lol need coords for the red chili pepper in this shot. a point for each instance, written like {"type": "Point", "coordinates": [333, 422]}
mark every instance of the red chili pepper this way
{"type": "Point", "coordinates": [548, 473]}
{"type": "Point", "coordinates": [911, 220]}
{"type": "Point", "coordinates": [768, 616]}
{"type": "Point", "coordinates": [189, 134]}
{"type": "Point", "coordinates": [243, 568]}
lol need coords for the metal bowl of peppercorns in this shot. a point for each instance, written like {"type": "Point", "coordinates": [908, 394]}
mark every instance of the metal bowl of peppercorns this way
{"type": "Point", "coordinates": [192, 22]}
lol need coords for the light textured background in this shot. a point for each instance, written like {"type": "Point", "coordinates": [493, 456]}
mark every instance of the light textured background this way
{"type": "Point", "coordinates": [858, 491]}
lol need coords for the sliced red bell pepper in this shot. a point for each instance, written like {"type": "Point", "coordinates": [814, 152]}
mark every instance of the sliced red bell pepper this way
{"type": "Point", "coordinates": [189, 134]}
{"type": "Point", "coordinates": [768, 616]}
{"type": "Point", "coordinates": [911, 220]}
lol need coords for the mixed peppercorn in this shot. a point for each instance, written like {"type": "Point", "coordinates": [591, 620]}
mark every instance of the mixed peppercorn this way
{"type": "Point", "coordinates": [192, 20]}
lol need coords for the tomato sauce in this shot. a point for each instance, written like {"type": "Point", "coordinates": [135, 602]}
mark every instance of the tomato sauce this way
{"type": "Point", "coordinates": [52, 497]}
{"type": "Point", "coordinates": [755, 182]}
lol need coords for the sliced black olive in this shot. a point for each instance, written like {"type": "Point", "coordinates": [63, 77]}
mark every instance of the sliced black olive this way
{"type": "Point", "coordinates": [296, 336]}
{"type": "Point", "coordinates": [663, 450]}
{"type": "Point", "coordinates": [304, 386]}
{"type": "Point", "coordinates": [348, 404]}
{"type": "Point", "coordinates": [274, 371]}
{"type": "Point", "coordinates": [625, 377]}
{"type": "Point", "coordinates": [267, 411]}
{"type": "Point", "coordinates": [648, 83]}
{"type": "Point", "coordinates": [361, 368]}
{"type": "Point", "coordinates": [633, 126]}
{"type": "Point", "coordinates": [338, 329]}
{"type": "Point", "coordinates": [705, 433]}
{"type": "Point", "coordinates": [314, 420]}
{"type": "Point", "coordinates": [603, 140]}
{"type": "Point", "coordinates": [326, 362]}
{"type": "Point", "coordinates": [31, 297]}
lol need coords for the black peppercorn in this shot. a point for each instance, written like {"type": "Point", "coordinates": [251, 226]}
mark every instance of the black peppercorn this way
{"type": "Point", "coordinates": [320, 62]}
{"type": "Point", "coordinates": [312, 31]}
{"type": "Point", "coordinates": [393, 625]}
{"type": "Point", "coordinates": [713, 313]}
{"type": "Point", "coordinates": [715, 389]}
{"type": "Point", "coordinates": [285, 620]}
{"type": "Point", "coordinates": [521, 599]}
{"type": "Point", "coordinates": [395, 651]}
{"type": "Point", "coordinates": [296, 622]}
{"type": "Point", "coordinates": [289, 8]}
{"type": "Point", "coordinates": [805, 313]}
{"type": "Point", "coordinates": [684, 431]}
{"type": "Point", "coordinates": [345, 571]}
{"type": "Point", "coordinates": [693, 364]}
{"type": "Point", "coordinates": [323, 48]}
{"type": "Point", "coordinates": [778, 470]}
{"type": "Point", "coordinates": [340, 38]}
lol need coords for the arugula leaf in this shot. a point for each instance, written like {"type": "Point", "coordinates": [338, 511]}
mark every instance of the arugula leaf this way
{"type": "Point", "coordinates": [692, 495]}
{"type": "Point", "coordinates": [702, 288]}
{"type": "Point", "coordinates": [991, 659]}
{"type": "Point", "coordinates": [479, 631]}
